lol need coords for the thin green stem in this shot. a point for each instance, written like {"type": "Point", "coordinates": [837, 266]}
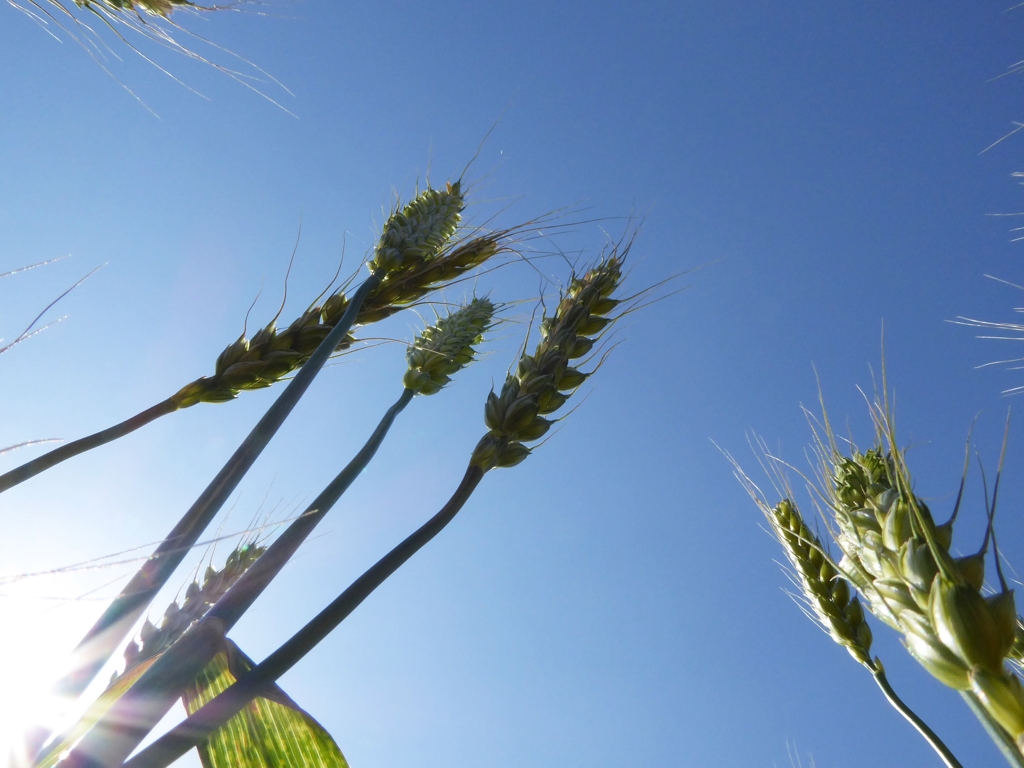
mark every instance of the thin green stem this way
{"type": "Point", "coordinates": [244, 592]}
{"type": "Point", "coordinates": [218, 711]}
{"type": "Point", "coordinates": [922, 727]}
{"type": "Point", "coordinates": [995, 731]}
{"type": "Point", "coordinates": [75, 447]}
{"type": "Point", "coordinates": [100, 642]}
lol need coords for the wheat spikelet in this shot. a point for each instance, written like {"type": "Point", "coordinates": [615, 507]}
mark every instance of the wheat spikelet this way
{"type": "Point", "coordinates": [543, 381]}
{"type": "Point", "coordinates": [446, 347]}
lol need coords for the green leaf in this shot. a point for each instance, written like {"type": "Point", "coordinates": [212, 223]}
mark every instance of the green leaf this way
{"type": "Point", "coordinates": [271, 732]}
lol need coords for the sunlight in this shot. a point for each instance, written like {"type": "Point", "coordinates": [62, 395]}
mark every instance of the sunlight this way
{"type": "Point", "coordinates": [31, 660]}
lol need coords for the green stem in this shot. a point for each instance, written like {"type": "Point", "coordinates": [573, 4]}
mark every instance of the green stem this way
{"type": "Point", "coordinates": [102, 640]}
{"type": "Point", "coordinates": [219, 710]}
{"type": "Point", "coordinates": [922, 727]}
{"type": "Point", "coordinates": [244, 592]}
{"type": "Point", "coordinates": [995, 731]}
{"type": "Point", "coordinates": [75, 447]}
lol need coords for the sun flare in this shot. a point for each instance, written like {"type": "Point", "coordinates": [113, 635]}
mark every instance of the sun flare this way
{"type": "Point", "coordinates": [40, 629]}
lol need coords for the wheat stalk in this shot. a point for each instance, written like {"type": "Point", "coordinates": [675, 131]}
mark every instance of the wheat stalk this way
{"type": "Point", "coordinates": [100, 641]}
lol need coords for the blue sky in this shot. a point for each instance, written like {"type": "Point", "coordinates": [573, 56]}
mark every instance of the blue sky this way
{"type": "Point", "coordinates": [615, 598]}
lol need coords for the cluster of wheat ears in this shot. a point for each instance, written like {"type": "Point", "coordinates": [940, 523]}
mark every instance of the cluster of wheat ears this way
{"type": "Point", "coordinates": [237, 714]}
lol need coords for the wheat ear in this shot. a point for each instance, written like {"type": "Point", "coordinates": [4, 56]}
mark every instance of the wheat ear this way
{"type": "Point", "coordinates": [154, 639]}
{"type": "Point", "coordinates": [162, 8]}
{"type": "Point", "coordinates": [828, 596]}
{"type": "Point", "coordinates": [543, 381]}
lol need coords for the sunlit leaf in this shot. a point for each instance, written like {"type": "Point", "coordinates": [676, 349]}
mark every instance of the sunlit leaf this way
{"type": "Point", "coordinates": [271, 731]}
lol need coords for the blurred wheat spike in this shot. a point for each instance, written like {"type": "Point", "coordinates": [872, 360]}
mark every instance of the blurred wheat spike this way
{"type": "Point", "coordinates": [152, 7]}
{"type": "Point", "coordinates": [199, 598]}
{"type": "Point", "coordinates": [544, 380]}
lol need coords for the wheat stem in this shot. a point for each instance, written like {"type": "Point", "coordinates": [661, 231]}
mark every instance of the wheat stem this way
{"type": "Point", "coordinates": [230, 608]}
{"type": "Point", "coordinates": [100, 642]}
{"type": "Point", "coordinates": [218, 711]}
{"type": "Point", "coordinates": [922, 727]}
{"type": "Point", "coordinates": [995, 731]}
{"type": "Point", "coordinates": [74, 448]}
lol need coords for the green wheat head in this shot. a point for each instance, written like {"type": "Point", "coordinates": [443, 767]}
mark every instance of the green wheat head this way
{"type": "Point", "coordinates": [902, 563]}
{"type": "Point", "coordinates": [443, 349]}
{"type": "Point", "coordinates": [544, 380]}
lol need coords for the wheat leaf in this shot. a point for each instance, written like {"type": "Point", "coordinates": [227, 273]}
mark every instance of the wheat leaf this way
{"type": "Point", "coordinates": [272, 730]}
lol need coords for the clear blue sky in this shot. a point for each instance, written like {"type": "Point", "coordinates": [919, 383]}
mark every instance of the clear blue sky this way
{"type": "Point", "coordinates": [614, 600]}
